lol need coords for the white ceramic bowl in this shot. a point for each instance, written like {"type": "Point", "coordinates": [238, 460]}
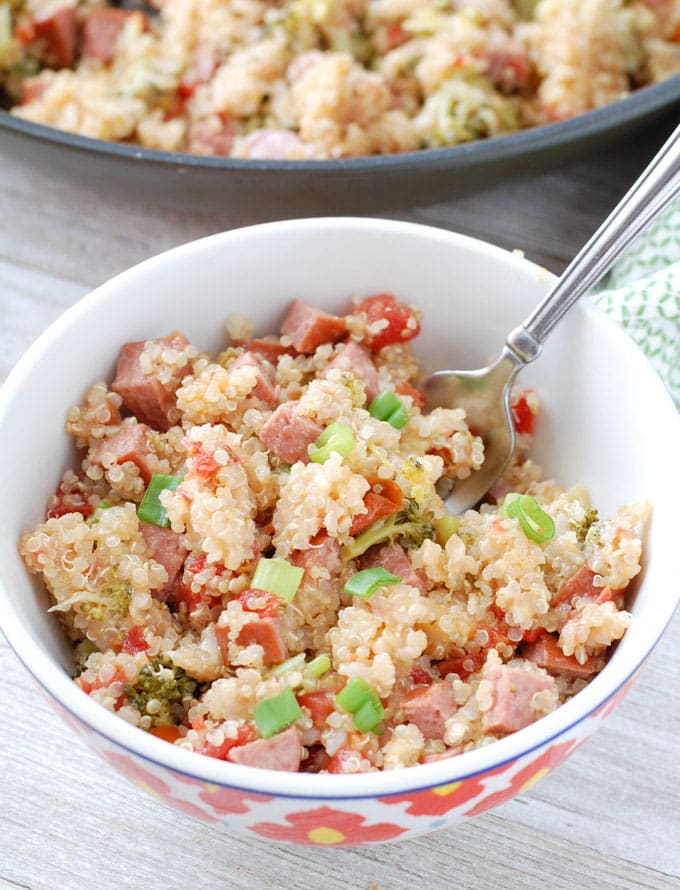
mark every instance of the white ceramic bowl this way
{"type": "Point", "coordinates": [607, 422]}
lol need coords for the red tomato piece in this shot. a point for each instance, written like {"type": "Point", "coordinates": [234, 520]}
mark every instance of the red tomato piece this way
{"type": "Point", "coordinates": [267, 605]}
{"type": "Point", "coordinates": [421, 677]}
{"type": "Point", "coordinates": [405, 389]}
{"type": "Point", "coordinates": [343, 761]}
{"type": "Point", "coordinates": [402, 323]}
{"type": "Point", "coordinates": [320, 704]}
{"type": "Point", "coordinates": [134, 641]}
{"type": "Point", "coordinates": [463, 666]}
{"type": "Point", "coordinates": [523, 417]}
{"type": "Point", "coordinates": [244, 734]}
{"type": "Point", "coordinates": [167, 733]}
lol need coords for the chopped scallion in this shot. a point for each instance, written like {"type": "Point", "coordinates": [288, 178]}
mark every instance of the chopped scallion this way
{"type": "Point", "coordinates": [388, 407]}
{"type": "Point", "coordinates": [290, 664]}
{"type": "Point", "coordinates": [360, 700]}
{"type": "Point", "coordinates": [150, 509]}
{"type": "Point", "coordinates": [366, 582]}
{"type": "Point", "coordinates": [534, 521]}
{"type": "Point", "coordinates": [318, 666]}
{"type": "Point", "coordinates": [274, 714]}
{"type": "Point", "coordinates": [277, 576]}
{"type": "Point", "coordinates": [336, 437]}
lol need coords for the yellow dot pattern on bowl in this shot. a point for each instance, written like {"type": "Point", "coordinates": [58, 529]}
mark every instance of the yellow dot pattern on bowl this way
{"type": "Point", "coordinates": [445, 790]}
{"type": "Point", "coordinates": [325, 835]}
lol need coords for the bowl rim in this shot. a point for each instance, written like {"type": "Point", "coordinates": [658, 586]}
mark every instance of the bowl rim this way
{"type": "Point", "coordinates": [643, 101]}
{"type": "Point", "coordinates": [155, 751]}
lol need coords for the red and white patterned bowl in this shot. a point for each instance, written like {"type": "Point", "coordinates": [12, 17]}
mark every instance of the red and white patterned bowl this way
{"type": "Point", "coordinates": [608, 423]}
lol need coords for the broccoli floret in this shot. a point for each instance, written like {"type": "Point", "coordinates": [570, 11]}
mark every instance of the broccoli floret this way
{"type": "Point", "coordinates": [108, 601]}
{"type": "Point", "coordinates": [584, 526]}
{"type": "Point", "coordinates": [162, 691]}
{"type": "Point", "coordinates": [410, 526]}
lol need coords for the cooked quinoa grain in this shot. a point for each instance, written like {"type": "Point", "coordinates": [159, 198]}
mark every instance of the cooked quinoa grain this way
{"type": "Point", "coordinates": [199, 556]}
{"type": "Point", "coordinates": [319, 79]}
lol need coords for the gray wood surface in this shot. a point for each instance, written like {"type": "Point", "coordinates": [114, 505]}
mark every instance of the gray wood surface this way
{"type": "Point", "coordinates": [609, 817]}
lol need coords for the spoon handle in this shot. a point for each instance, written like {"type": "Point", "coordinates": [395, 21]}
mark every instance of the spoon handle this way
{"type": "Point", "coordinates": [658, 185]}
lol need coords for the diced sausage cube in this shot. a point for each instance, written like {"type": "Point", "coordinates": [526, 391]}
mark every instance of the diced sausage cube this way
{"type": "Point", "coordinates": [580, 584]}
{"type": "Point", "coordinates": [546, 653]}
{"type": "Point", "coordinates": [168, 548]}
{"type": "Point", "coordinates": [309, 327]}
{"type": "Point", "coordinates": [430, 707]}
{"type": "Point", "coordinates": [58, 33]}
{"type": "Point", "coordinates": [513, 691]}
{"type": "Point", "coordinates": [282, 751]}
{"type": "Point", "coordinates": [323, 552]}
{"type": "Point", "coordinates": [263, 389]}
{"type": "Point", "coordinates": [265, 632]}
{"type": "Point", "coordinates": [101, 31]}
{"type": "Point", "coordinates": [150, 400]}
{"type": "Point", "coordinates": [354, 358]}
{"type": "Point", "coordinates": [288, 434]}
{"type": "Point", "coordinates": [394, 558]}
{"type": "Point", "coordinates": [131, 443]}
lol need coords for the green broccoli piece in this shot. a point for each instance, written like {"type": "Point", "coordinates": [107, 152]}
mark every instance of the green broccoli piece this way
{"type": "Point", "coordinates": [111, 600]}
{"type": "Point", "coordinates": [162, 691]}
{"type": "Point", "coordinates": [410, 526]}
{"type": "Point", "coordinates": [583, 527]}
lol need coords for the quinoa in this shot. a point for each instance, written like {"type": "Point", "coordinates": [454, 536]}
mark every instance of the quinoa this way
{"type": "Point", "coordinates": [478, 629]}
{"type": "Point", "coordinates": [318, 79]}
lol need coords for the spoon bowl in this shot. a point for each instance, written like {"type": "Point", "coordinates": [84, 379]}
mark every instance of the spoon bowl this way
{"type": "Point", "coordinates": [484, 393]}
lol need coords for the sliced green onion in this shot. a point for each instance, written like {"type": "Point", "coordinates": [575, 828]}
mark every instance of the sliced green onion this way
{"type": "Point", "coordinates": [336, 437]}
{"type": "Point", "coordinates": [151, 510]}
{"type": "Point", "coordinates": [366, 582]}
{"type": "Point", "coordinates": [444, 528]}
{"type": "Point", "coordinates": [368, 715]}
{"type": "Point", "coordinates": [360, 700]}
{"type": "Point", "coordinates": [277, 576]}
{"type": "Point", "coordinates": [318, 666]}
{"type": "Point", "coordinates": [290, 664]}
{"type": "Point", "coordinates": [534, 521]}
{"type": "Point", "coordinates": [276, 713]}
{"type": "Point", "coordinates": [388, 407]}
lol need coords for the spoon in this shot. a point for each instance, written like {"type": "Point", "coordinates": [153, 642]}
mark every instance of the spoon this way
{"type": "Point", "coordinates": [485, 393]}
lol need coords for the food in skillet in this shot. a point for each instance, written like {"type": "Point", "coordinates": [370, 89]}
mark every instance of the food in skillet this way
{"type": "Point", "coordinates": [253, 562]}
{"type": "Point", "coordinates": [305, 79]}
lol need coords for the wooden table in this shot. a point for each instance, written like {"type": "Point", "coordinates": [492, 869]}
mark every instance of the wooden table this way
{"type": "Point", "coordinates": [609, 817]}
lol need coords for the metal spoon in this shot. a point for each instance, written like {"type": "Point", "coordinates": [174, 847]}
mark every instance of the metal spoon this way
{"type": "Point", "coordinates": [485, 393]}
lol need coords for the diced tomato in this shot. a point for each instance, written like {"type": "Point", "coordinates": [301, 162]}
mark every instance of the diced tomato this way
{"type": "Point", "coordinates": [184, 596]}
{"type": "Point", "coordinates": [421, 677]}
{"type": "Point", "coordinates": [463, 666]}
{"type": "Point", "coordinates": [204, 465]}
{"type": "Point", "coordinates": [395, 35]}
{"type": "Point", "coordinates": [167, 733]}
{"type": "Point", "coordinates": [25, 32]}
{"type": "Point", "coordinates": [342, 758]}
{"type": "Point", "coordinates": [68, 500]}
{"type": "Point", "coordinates": [134, 641]}
{"type": "Point", "coordinates": [383, 498]}
{"type": "Point", "coordinates": [523, 417]}
{"type": "Point", "coordinates": [405, 389]}
{"type": "Point", "coordinates": [320, 704]}
{"type": "Point", "coordinates": [402, 323]}
{"type": "Point", "coordinates": [267, 605]}
{"type": "Point", "coordinates": [244, 734]}
{"type": "Point", "coordinates": [531, 635]}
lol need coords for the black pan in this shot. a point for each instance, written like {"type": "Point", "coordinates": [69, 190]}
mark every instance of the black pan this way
{"type": "Point", "coordinates": [266, 189]}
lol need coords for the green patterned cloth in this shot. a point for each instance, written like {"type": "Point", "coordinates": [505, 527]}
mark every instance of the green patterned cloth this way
{"type": "Point", "coordinates": [642, 293]}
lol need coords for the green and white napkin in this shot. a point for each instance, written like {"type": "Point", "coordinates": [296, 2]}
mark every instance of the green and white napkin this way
{"type": "Point", "coordinates": [642, 293]}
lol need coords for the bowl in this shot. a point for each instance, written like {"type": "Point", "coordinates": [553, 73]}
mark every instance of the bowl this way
{"type": "Point", "coordinates": [254, 190]}
{"type": "Point", "coordinates": [608, 423]}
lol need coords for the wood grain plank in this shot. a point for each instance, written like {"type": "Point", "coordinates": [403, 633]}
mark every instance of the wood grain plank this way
{"type": "Point", "coordinates": [608, 818]}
